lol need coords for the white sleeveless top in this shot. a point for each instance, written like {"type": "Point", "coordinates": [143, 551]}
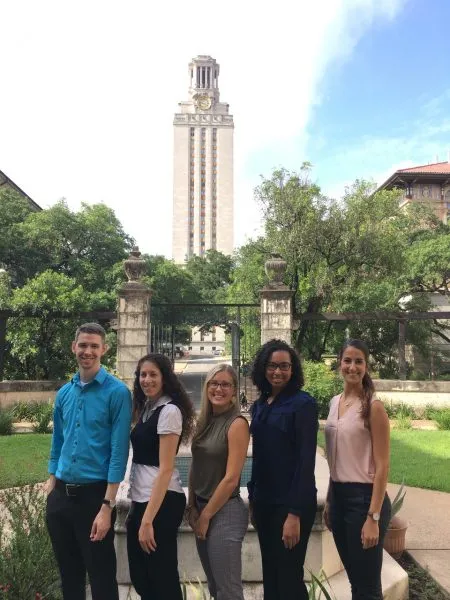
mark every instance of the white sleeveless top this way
{"type": "Point", "coordinates": [349, 445]}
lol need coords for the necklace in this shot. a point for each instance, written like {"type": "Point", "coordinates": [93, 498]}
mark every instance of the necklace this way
{"type": "Point", "coordinates": [346, 402]}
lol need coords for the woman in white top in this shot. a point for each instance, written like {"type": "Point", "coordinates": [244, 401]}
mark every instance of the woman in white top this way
{"type": "Point", "coordinates": [357, 440]}
{"type": "Point", "coordinates": [163, 415]}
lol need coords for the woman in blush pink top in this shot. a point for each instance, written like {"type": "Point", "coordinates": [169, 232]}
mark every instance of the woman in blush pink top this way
{"type": "Point", "coordinates": [357, 441]}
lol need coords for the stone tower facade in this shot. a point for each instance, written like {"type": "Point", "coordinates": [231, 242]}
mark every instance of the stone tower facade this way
{"type": "Point", "coordinates": [203, 167]}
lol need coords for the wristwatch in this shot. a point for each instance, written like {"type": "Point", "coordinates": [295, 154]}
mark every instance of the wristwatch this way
{"type": "Point", "coordinates": [374, 515]}
{"type": "Point", "coordinates": [110, 503]}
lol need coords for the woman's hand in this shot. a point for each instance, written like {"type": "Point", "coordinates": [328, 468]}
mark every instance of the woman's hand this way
{"type": "Point", "coordinates": [291, 531]}
{"type": "Point", "coordinates": [326, 516]}
{"type": "Point", "coordinates": [193, 516]}
{"type": "Point", "coordinates": [370, 534]}
{"type": "Point", "coordinates": [201, 526]}
{"type": "Point", "coordinates": [147, 536]}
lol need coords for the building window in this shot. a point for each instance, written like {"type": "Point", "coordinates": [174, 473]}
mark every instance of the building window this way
{"type": "Point", "coordinates": [202, 347]}
{"type": "Point", "coordinates": [192, 131]}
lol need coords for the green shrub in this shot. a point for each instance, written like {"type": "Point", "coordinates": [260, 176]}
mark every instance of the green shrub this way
{"type": "Point", "coordinates": [442, 418]}
{"type": "Point", "coordinates": [399, 410]}
{"type": "Point", "coordinates": [42, 424]}
{"type": "Point", "coordinates": [322, 383]}
{"type": "Point", "coordinates": [428, 411]}
{"type": "Point", "coordinates": [27, 565]}
{"type": "Point", "coordinates": [403, 422]}
{"type": "Point", "coordinates": [6, 422]}
{"type": "Point", "coordinates": [27, 411]}
{"type": "Point", "coordinates": [390, 408]}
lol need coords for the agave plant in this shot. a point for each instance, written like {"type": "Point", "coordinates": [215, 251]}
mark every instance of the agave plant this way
{"type": "Point", "coordinates": [397, 502]}
{"type": "Point", "coordinates": [317, 590]}
{"type": "Point", "coordinates": [197, 589]}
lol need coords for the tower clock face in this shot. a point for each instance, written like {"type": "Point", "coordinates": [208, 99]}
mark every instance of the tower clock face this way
{"type": "Point", "coordinates": [204, 102]}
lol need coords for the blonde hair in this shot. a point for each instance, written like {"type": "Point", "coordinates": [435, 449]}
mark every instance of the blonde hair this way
{"type": "Point", "coordinates": [205, 414]}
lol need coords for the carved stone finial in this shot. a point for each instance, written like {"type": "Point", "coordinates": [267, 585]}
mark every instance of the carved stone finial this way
{"type": "Point", "coordinates": [134, 265]}
{"type": "Point", "coordinates": [275, 268]}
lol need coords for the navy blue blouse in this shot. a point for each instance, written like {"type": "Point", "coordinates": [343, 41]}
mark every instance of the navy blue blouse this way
{"type": "Point", "coordinates": [284, 451]}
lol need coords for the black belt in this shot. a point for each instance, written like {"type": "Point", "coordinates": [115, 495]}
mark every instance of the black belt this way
{"type": "Point", "coordinates": [76, 490]}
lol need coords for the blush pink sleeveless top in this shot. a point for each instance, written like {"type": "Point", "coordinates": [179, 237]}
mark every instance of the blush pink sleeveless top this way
{"type": "Point", "coordinates": [349, 445]}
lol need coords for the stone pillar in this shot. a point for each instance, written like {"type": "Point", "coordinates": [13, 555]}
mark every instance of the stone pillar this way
{"type": "Point", "coordinates": [133, 318]}
{"type": "Point", "coordinates": [276, 303]}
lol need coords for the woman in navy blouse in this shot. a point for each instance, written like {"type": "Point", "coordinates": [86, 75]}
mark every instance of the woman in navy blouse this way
{"type": "Point", "coordinates": [282, 489]}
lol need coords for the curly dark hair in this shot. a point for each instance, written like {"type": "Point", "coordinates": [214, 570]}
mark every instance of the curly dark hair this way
{"type": "Point", "coordinates": [261, 359]}
{"type": "Point", "coordinates": [172, 387]}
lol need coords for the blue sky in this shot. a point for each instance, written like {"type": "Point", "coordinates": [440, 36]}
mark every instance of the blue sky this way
{"type": "Point", "coordinates": [389, 103]}
{"type": "Point", "coordinates": [89, 89]}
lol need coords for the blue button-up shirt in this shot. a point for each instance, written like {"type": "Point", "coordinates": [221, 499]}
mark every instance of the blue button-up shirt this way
{"type": "Point", "coordinates": [91, 429]}
{"type": "Point", "coordinates": [284, 452]}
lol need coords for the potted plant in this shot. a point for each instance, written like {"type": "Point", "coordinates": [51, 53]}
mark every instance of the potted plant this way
{"type": "Point", "coordinates": [394, 541]}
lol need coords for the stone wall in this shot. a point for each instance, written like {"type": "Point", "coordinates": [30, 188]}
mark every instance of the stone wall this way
{"type": "Point", "coordinates": [416, 393]}
{"type": "Point", "coordinates": [12, 392]}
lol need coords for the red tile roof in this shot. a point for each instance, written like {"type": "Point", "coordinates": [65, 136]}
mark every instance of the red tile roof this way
{"type": "Point", "coordinates": [435, 168]}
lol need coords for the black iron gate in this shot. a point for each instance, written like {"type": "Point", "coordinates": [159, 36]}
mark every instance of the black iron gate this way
{"type": "Point", "coordinates": [175, 327]}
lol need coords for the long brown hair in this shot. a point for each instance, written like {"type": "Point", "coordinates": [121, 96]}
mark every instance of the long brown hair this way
{"type": "Point", "coordinates": [367, 383]}
{"type": "Point", "coordinates": [172, 387]}
{"type": "Point", "coordinates": [205, 414]}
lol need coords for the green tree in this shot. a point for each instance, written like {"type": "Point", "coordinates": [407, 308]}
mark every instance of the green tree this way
{"type": "Point", "coordinates": [14, 250]}
{"type": "Point", "coordinates": [84, 245]}
{"type": "Point", "coordinates": [211, 275]}
{"type": "Point", "coordinates": [39, 345]}
{"type": "Point", "coordinates": [331, 247]}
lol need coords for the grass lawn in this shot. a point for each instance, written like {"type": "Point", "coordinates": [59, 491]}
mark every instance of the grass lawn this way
{"type": "Point", "coordinates": [23, 458]}
{"type": "Point", "coordinates": [420, 458]}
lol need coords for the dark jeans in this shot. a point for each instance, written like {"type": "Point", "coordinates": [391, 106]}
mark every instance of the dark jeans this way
{"type": "Point", "coordinates": [155, 575]}
{"type": "Point", "coordinates": [349, 504]}
{"type": "Point", "coordinates": [282, 568]}
{"type": "Point", "coordinates": [69, 523]}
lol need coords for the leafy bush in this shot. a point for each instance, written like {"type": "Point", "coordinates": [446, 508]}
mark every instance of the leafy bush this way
{"type": "Point", "coordinates": [28, 411]}
{"type": "Point", "coordinates": [6, 422]}
{"type": "Point", "coordinates": [322, 383]}
{"type": "Point", "coordinates": [42, 424]}
{"type": "Point", "coordinates": [428, 411]}
{"type": "Point", "coordinates": [442, 418]}
{"type": "Point", "coordinates": [400, 410]}
{"type": "Point", "coordinates": [27, 565]}
{"type": "Point", "coordinates": [403, 422]}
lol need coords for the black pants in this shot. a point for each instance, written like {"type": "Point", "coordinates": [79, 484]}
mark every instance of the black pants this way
{"type": "Point", "coordinates": [348, 512]}
{"type": "Point", "coordinates": [69, 523]}
{"type": "Point", "coordinates": [155, 574]}
{"type": "Point", "coordinates": [282, 568]}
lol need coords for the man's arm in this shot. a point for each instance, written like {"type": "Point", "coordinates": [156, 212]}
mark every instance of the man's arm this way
{"type": "Point", "coordinates": [120, 434]}
{"type": "Point", "coordinates": [57, 442]}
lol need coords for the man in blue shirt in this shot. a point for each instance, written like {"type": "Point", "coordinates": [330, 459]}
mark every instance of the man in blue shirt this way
{"type": "Point", "coordinates": [88, 458]}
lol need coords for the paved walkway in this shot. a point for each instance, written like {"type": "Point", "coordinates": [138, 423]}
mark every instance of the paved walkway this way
{"type": "Point", "coordinates": [428, 534]}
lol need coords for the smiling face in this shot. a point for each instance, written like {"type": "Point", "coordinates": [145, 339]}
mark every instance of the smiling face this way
{"type": "Point", "coordinates": [279, 370]}
{"type": "Point", "coordinates": [221, 391]}
{"type": "Point", "coordinates": [150, 380]}
{"type": "Point", "coordinates": [353, 366]}
{"type": "Point", "coordinates": [88, 349]}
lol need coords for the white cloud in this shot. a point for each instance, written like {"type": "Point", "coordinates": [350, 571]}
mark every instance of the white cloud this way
{"type": "Point", "coordinates": [89, 90]}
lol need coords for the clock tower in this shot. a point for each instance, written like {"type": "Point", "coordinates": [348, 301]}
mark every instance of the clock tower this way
{"type": "Point", "coordinates": [203, 167]}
